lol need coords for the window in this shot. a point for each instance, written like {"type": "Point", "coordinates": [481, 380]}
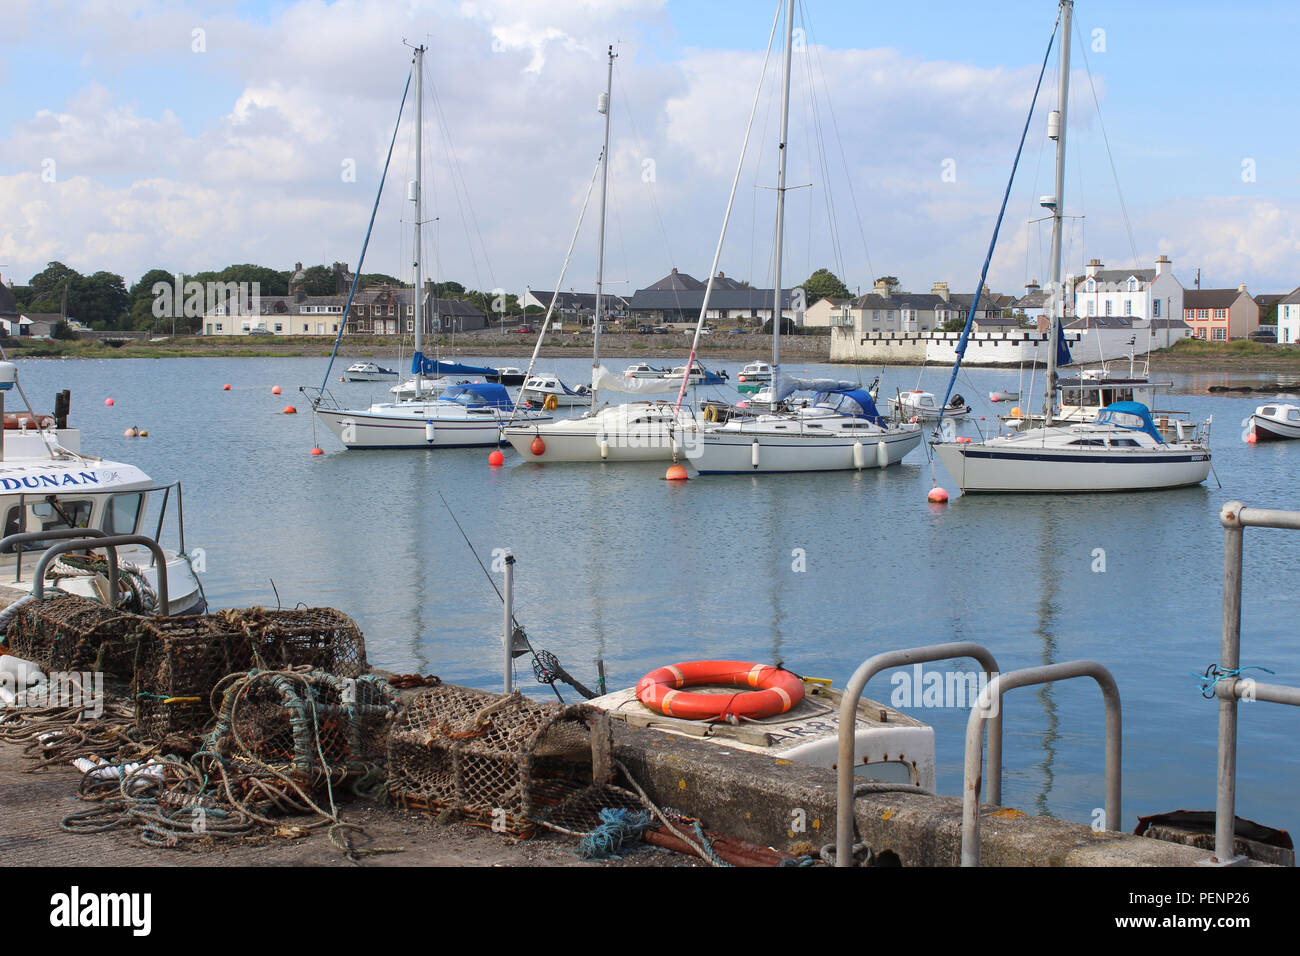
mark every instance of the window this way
{"type": "Point", "coordinates": [1220, 313]}
{"type": "Point", "coordinates": [218, 326]}
{"type": "Point", "coordinates": [1155, 308]}
{"type": "Point", "coordinates": [122, 514]}
{"type": "Point", "coordinates": [279, 326]}
{"type": "Point", "coordinates": [1128, 306]}
{"type": "Point", "coordinates": [1108, 305]}
{"type": "Point", "coordinates": [1204, 313]}
{"type": "Point", "coordinates": [1132, 285]}
{"type": "Point", "coordinates": [1123, 443]}
{"type": "Point", "coordinates": [1092, 285]}
{"type": "Point", "coordinates": [1220, 335]}
{"type": "Point", "coordinates": [1092, 307]}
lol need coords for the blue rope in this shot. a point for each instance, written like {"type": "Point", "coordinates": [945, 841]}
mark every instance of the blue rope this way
{"type": "Point", "coordinates": [618, 828]}
{"type": "Point", "coordinates": [979, 289]}
{"type": "Point", "coordinates": [1213, 674]}
{"type": "Point", "coordinates": [708, 847]}
{"type": "Point", "coordinates": [356, 276]}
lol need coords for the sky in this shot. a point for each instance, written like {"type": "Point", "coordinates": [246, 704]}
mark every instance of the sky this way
{"type": "Point", "coordinates": [186, 135]}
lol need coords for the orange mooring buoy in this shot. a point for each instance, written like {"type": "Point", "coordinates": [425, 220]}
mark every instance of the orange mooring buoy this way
{"type": "Point", "coordinates": [225, 388]}
{"type": "Point", "coordinates": [938, 496]}
{"type": "Point", "coordinates": [275, 389]}
{"type": "Point", "coordinates": [496, 459]}
{"type": "Point", "coordinates": [108, 401]}
{"type": "Point", "coordinates": [677, 473]}
{"type": "Point", "coordinates": [318, 451]}
{"type": "Point", "coordinates": [538, 447]}
{"type": "Point", "coordinates": [1252, 438]}
{"type": "Point", "coordinates": [290, 410]}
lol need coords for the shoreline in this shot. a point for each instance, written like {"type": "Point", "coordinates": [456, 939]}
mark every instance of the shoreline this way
{"type": "Point", "coordinates": [809, 349]}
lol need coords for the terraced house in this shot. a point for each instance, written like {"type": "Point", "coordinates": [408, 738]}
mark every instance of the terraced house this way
{"type": "Point", "coordinates": [1220, 315]}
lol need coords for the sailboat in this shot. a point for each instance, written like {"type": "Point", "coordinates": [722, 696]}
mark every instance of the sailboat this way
{"type": "Point", "coordinates": [1121, 449]}
{"type": "Point", "coordinates": [839, 430]}
{"type": "Point", "coordinates": [458, 416]}
{"type": "Point", "coordinates": [634, 431]}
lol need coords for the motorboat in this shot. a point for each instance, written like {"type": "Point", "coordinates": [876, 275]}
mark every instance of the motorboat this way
{"type": "Point", "coordinates": [839, 430]}
{"type": "Point", "coordinates": [644, 370]}
{"type": "Point", "coordinates": [369, 372]}
{"type": "Point", "coordinates": [51, 493]}
{"type": "Point", "coordinates": [548, 391]}
{"type": "Point", "coordinates": [924, 406]}
{"type": "Point", "coordinates": [759, 371]}
{"type": "Point", "coordinates": [699, 375]}
{"type": "Point", "coordinates": [1121, 450]}
{"type": "Point", "coordinates": [1275, 423]}
{"type": "Point", "coordinates": [463, 416]}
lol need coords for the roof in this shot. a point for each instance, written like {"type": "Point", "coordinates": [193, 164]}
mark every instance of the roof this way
{"type": "Point", "coordinates": [1293, 298]}
{"type": "Point", "coordinates": [1032, 300]}
{"type": "Point", "coordinates": [1105, 322]}
{"type": "Point", "coordinates": [1210, 298]}
{"type": "Point", "coordinates": [1116, 276]}
{"type": "Point", "coordinates": [1269, 298]}
{"type": "Point", "coordinates": [576, 301]}
{"type": "Point", "coordinates": [653, 299]}
{"type": "Point", "coordinates": [920, 301]}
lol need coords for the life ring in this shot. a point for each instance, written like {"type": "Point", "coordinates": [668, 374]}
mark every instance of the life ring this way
{"type": "Point", "coordinates": [778, 690]}
{"type": "Point", "coordinates": [551, 403]}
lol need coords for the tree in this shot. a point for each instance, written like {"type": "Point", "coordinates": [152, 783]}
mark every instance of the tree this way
{"type": "Point", "coordinates": [954, 325]}
{"type": "Point", "coordinates": [787, 326]}
{"type": "Point", "coordinates": [371, 279]}
{"type": "Point", "coordinates": [48, 284]}
{"type": "Point", "coordinates": [100, 300]}
{"type": "Point", "coordinates": [892, 284]}
{"type": "Point", "coordinates": [319, 280]}
{"type": "Point", "coordinates": [823, 284]}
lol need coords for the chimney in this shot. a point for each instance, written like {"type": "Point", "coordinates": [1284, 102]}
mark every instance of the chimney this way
{"type": "Point", "coordinates": [1032, 286]}
{"type": "Point", "coordinates": [674, 270]}
{"type": "Point", "coordinates": [1094, 266]}
{"type": "Point", "coordinates": [1163, 265]}
{"type": "Point", "coordinates": [940, 289]}
{"type": "Point", "coordinates": [881, 287]}
{"type": "Point", "coordinates": [1242, 287]}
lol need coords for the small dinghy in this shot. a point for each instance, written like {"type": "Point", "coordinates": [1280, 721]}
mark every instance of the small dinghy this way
{"type": "Point", "coordinates": [1004, 396]}
{"type": "Point", "coordinates": [1275, 423]}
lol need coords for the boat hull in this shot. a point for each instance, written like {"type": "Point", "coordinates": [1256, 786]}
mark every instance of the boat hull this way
{"type": "Point", "coordinates": [723, 452]}
{"type": "Point", "coordinates": [584, 440]}
{"type": "Point", "coordinates": [1268, 429]}
{"type": "Point", "coordinates": [980, 469]}
{"type": "Point", "coordinates": [365, 429]}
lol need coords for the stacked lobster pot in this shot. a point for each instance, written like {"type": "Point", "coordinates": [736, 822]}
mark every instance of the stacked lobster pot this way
{"type": "Point", "coordinates": [182, 660]}
{"type": "Point", "coordinates": [509, 762]}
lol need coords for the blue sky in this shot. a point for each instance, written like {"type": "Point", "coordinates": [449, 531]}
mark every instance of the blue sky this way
{"type": "Point", "coordinates": [156, 146]}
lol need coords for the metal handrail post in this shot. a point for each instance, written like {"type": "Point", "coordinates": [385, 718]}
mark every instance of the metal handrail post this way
{"type": "Point", "coordinates": [992, 698]}
{"type": "Point", "coordinates": [111, 543]}
{"type": "Point", "coordinates": [10, 542]}
{"type": "Point", "coordinates": [1235, 518]}
{"type": "Point", "coordinates": [848, 723]}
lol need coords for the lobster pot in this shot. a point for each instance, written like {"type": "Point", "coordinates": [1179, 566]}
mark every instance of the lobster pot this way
{"type": "Point", "coordinates": [311, 726]}
{"type": "Point", "coordinates": [502, 759]}
{"type": "Point", "coordinates": [66, 632]}
{"type": "Point", "coordinates": [182, 659]}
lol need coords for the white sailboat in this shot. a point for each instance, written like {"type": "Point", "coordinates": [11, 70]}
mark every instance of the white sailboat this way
{"type": "Point", "coordinates": [840, 430]}
{"type": "Point", "coordinates": [634, 431]}
{"type": "Point", "coordinates": [457, 416]}
{"type": "Point", "coordinates": [1121, 450]}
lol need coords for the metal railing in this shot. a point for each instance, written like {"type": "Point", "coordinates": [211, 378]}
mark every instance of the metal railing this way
{"type": "Point", "coordinates": [111, 543]}
{"type": "Point", "coordinates": [13, 543]}
{"type": "Point", "coordinates": [869, 668]}
{"type": "Point", "coordinates": [991, 699]}
{"type": "Point", "coordinates": [1229, 687]}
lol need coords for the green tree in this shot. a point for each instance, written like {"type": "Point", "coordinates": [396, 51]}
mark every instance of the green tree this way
{"type": "Point", "coordinates": [100, 300]}
{"type": "Point", "coordinates": [369, 279]}
{"type": "Point", "coordinates": [891, 283]}
{"type": "Point", "coordinates": [319, 280]}
{"type": "Point", "coordinates": [787, 326]}
{"type": "Point", "coordinates": [48, 285]}
{"type": "Point", "coordinates": [823, 284]}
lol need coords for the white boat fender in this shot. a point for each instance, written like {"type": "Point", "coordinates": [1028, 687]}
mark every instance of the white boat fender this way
{"type": "Point", "coordinates": [859, 456]}
{"type": "Point", "coordinates": [429, 432]}
{"type": "Point", "coordinates": [753, 454]}
{"type": "Point", "coordinates": [604, 448]}
{"type": "Point", "coordinates": [882, 454]}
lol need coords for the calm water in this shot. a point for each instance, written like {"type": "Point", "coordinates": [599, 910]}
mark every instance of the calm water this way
{"type": "Point", "coordinates": [615, 563]}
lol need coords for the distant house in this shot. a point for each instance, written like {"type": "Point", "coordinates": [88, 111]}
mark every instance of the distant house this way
{"type": "Point", "coordinates": [1220, 315]}
{"type": "Point", "coordinates": [577, 308]}
{"type": "Point", "coordinates": [678, 297]}
{"type": "Point", "coordinates": [1140, 293]}
{"type": "Point", "coordinates": [1288, 318]}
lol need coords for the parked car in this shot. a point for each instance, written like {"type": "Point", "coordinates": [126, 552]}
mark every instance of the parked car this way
{"type": "Point", "coordinates": [661, 330]}
{"type": "Point", "coordinates": [735, 331]}
{"type": "Point", "coordinates": [260, 330]}
{"type": "Point", "coordinates": [525, 330]}
{"type": "Point", "coordinates": [644, 330]}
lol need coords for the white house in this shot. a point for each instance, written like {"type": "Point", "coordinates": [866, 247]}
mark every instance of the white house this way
{"type": "Point", "coordinates": [1288, 319]}
{"type": "Point", "coordinates": [1138, 293]}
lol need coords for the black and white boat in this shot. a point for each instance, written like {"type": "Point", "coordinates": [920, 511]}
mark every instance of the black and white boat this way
{"type": "Point", "coordinates": [369, 372]}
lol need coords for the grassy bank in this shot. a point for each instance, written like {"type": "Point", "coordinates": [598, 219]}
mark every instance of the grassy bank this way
{"type": "Point", "coordinates": [1242, 355]}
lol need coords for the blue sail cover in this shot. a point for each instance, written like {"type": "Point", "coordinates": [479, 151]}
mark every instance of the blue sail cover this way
{"type": "Point", "coordinates": [1132, 415]}
{"type": "Point", "coordinates": [422, 365]}
{"type": "Point", "coordinates": [478, 395]}
{"type": "Point", "coordinates": [854, 402]}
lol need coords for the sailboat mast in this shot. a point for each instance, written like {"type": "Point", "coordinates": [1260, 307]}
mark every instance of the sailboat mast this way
{"type": "Point", "coordinates": [1058, 210]}
{"type": "Point", "coordinates": [780, 203]}
{"type": "Point", "coordinates": [604, 105]}
{"type": "Point", "coordinates": [417, 199]}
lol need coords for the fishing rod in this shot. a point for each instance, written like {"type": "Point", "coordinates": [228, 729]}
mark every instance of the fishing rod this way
{"type": "Point", "coordinates": [546, 666]}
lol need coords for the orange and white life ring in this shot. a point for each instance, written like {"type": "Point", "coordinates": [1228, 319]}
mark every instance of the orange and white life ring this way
{"type": "Point", "coordinates": [777, 690]}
